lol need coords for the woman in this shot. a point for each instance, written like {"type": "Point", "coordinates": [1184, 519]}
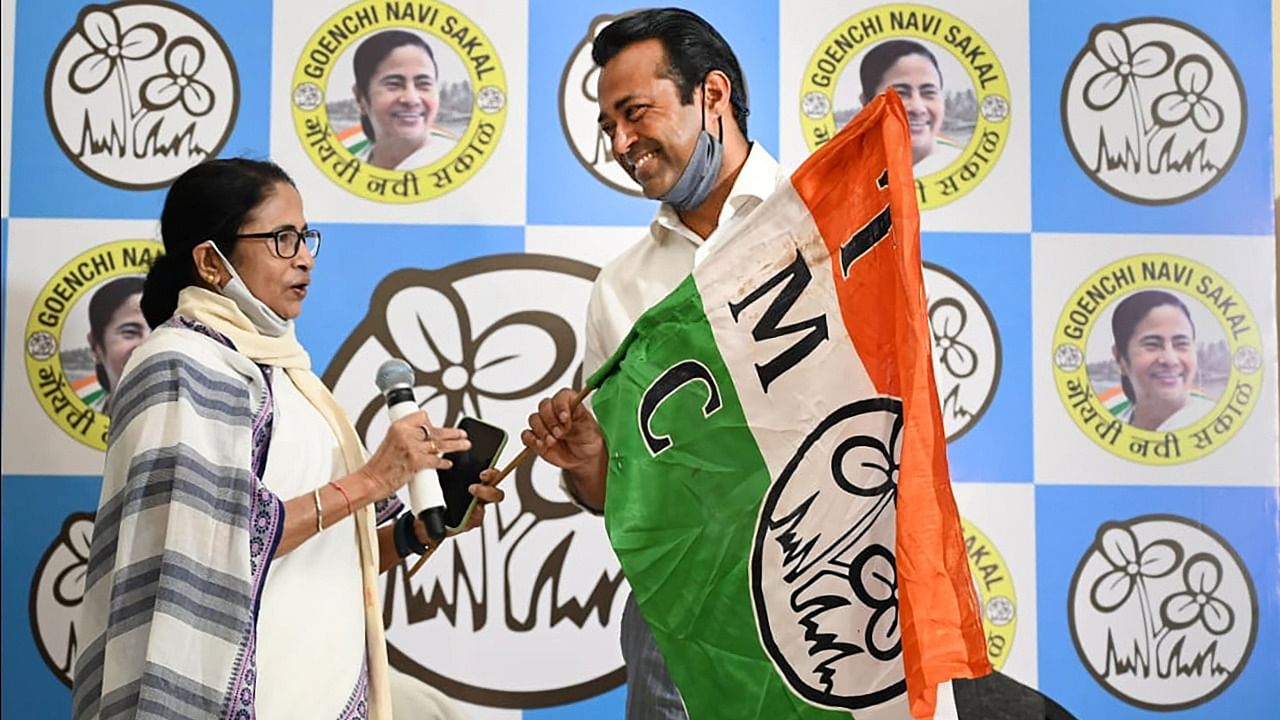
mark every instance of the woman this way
{"type": "Point", "coordinates": [1155, 347]}
{"type": "Point", "coordinates": [235, 553]}
{"type": "Point", "coordinates": [116, 327]}
{"type": "Point", "coordinates": [397, 89]}
{"type": "Point", "coordinates": [912, 71]}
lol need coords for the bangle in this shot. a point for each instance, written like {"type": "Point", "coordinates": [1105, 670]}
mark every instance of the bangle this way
{"type": "Point", "coordinates": [406, 538]}
{"type": "Point", "coordinates": [319, 510]}
{"type": "Point", "coordinates": [345, 496]}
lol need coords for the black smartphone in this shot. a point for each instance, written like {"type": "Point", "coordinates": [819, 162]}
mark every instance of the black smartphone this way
{"type": "Point", "coordinates": [487, 442]}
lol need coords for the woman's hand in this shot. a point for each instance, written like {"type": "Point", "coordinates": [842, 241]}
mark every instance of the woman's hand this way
{"type": "Point", "coordinates": [484, 491]}
{"type": "Point", "coordinates": [412, 443]}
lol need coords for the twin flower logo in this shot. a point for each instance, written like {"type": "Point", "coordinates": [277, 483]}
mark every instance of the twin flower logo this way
{"type": "Point", "coordinates": [137, 92]}
{"type": "Point", "coordinates": [1163, 612]}
{"type": "Point", "coordinates": [1153, 110]}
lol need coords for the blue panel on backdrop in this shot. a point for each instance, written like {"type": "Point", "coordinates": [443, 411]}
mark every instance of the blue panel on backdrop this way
{"type": "Point", "coordinates": [32, 511]}
{"type": "Point", "coordinates": [607, 705]}
{"type": "Point", "coordinates": [561, 189]}
{"type": "Point", "coordinates": [134, 124]}
{"type": "Point", "coordinates": [994, 442]}
{"type": "Point", "coordinates": [1167, 589]}
{"type": "Point", "coordinates": [1170, 126]}
{"type": "Point", "coordinates": [354, 258]}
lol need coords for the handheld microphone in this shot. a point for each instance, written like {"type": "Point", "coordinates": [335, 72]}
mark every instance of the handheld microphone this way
{"type": "Point", "coordinates": [395, 380]}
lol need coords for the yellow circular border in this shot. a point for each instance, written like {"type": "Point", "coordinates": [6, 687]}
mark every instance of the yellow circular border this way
{"type": "Point", "coordinates": [999, 637]}
{"type": "Point", "coordinates": [1145, 446]}
{"type": "Point", "coordinates": [68, 411]}
{"type": "Point", "coordinates": [989, 136]}
{"type": "Point", "coordinates": [473, 149]}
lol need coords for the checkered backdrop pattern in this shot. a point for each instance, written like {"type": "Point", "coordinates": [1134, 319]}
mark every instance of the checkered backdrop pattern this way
{"type": "Point", "coordinates": [1086, 152]}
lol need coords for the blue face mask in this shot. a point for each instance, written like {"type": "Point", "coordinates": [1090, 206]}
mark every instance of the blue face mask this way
{"type": "Point", "coordinates": [263, 318]}
{"type": "Point", "coordinates": [700, 173]}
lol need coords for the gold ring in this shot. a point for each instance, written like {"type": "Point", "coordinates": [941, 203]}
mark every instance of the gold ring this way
{"type": "Point", "coordinates": [426, 434]}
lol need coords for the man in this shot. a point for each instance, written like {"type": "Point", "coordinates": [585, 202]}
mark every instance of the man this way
{"type": "Point", "coordinates": [674, 105]}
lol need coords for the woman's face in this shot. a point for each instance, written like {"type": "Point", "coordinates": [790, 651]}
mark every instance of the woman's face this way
{"type": "Point", "coordinates": [403, 97]}
{"type": "Point", "coordinates": [1160, 360]}
{"type": "Point", "coordinates": [280, 283]}
{"type": "Point", "coordinates": [917, 82]}
{"type": "Point", "coordinates": [125, 331]}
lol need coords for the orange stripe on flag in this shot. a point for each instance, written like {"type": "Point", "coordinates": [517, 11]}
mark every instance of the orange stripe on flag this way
{"type": "Point", "coordinates": [883, 306]}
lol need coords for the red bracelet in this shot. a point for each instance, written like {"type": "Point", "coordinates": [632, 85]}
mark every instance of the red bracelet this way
{"type": "Point", "coordinates": [346, 497]}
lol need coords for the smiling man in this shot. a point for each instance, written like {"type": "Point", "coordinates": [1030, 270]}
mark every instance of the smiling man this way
{"type": "Point", "coordinates": [673, 104]}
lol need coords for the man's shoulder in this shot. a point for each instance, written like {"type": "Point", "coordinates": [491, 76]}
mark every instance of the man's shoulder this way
{"type": "Point", "coordinates": [630, 261]}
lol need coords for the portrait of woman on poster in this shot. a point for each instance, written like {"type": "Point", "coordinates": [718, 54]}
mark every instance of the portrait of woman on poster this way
{"type": "Point", "coordinates": [116, 327]}
{"type": "Point", "coordinates": [910, 69]}
{"type": "Point", "coordinates": [397, 89]}
{"type": "Point", "coordinates": [242, 526]}
{"type": "Point", "coordinates": [1155, 347]}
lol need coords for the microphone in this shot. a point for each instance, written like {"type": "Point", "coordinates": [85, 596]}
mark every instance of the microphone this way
{"type": "Point", "coordinates": [395, 380]}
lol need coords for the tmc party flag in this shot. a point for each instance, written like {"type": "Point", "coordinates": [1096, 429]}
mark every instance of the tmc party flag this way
{"type": "Point", "coordinates": [778, 492]}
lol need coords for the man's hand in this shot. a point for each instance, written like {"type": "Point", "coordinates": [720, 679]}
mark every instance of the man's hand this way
{"type": "Point", "coordinates": [565, 433]}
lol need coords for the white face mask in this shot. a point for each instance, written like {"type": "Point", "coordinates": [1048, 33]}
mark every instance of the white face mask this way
{"type": "Point", "coordinates": [263, 318]}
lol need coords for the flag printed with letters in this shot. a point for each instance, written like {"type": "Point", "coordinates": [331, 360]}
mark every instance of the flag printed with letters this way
{"type": "Point", "coordinates": [778, 492]}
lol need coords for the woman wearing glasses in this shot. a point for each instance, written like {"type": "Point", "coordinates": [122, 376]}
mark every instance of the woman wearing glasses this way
{"type": "Point", "coordinates": [237, 542]}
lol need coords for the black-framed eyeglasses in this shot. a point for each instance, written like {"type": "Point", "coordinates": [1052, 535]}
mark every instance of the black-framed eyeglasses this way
{"type": "Point", "coordinates": [289, 240]}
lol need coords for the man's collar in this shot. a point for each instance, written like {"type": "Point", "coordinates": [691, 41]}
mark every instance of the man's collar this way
{"type": "Point", "coordinates": [756, 181]}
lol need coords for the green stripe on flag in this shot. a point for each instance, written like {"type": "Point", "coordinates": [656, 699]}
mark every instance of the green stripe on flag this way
{"type": "Point", "coordinates": [682, 516]}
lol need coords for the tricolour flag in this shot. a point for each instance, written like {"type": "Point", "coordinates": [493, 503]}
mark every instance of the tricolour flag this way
{"type": "Point", "coordinates": [778, 493]}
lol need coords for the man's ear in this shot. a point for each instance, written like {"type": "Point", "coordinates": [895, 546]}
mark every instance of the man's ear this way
{"type": "Point", "coordinates": [717, 91]}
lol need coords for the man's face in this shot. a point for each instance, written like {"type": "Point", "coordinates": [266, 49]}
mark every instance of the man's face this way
{"type": "Point", "coordinates": [652, 134]}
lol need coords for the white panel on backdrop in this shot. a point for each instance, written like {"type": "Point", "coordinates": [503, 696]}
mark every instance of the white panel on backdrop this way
{"type": "Point", "coordinates": [596, 245]}
{"type": "Point", "coordinates": [526, 609]}
{"type": "Point", "coordinates": [973, 165]}
{"type": "Point", "coordinates": [462, 110]}
{"type": "Point", "coordinates": [7, 23]}
{"type": "Point", "coordinates": [54, 388]}
{"type": "Point", "coordinates": [1092, 431]}
{"type": "Point", "coordinates": [1000, 539]}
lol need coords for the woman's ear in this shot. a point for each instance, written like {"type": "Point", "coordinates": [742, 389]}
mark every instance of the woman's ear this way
{"type": "Point", "coordinates": [208, 265]}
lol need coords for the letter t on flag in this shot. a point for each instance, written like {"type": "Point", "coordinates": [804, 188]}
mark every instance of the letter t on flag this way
{"type": "Point", "coordinates": [778, 492]}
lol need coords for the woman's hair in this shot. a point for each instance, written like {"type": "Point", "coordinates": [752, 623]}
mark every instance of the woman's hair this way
{"type": "Point", "coordinates": [693, 49]}
{"type": "Point", "coordinates": [880, 58]}
{"type": "Point", "coordinates": [209, 201]}
{"type": "Point", "coordinates": [1131, 311]}
{"type": "Point", "coordinates": [370, 54]}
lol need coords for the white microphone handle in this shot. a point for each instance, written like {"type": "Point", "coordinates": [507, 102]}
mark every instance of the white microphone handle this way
{"type": "Point", "coordinates": [424, 488]}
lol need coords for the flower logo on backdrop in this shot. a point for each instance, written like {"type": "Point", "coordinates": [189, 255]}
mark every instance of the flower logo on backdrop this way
{"type": "Point", "coordinates": [1163, 612]}
{"type": "Point", "coordinates": [399, 101]}
{"type": "Point", "coordinates": [74, 356]}
{"type": "Point", "coordinates": [954, 87]}
{"type": "Point", "coordinates": [139, 91]}
{"type": "Point", "coordinates": [824, 580]}
{"type": "Point", "coordinates": [57, 589]}
{"type": "Point", "coordinates": [966, 349]}
{"type": "Point", "coordinates": [1153, 109]}
{"type": "Point", "coordinates": [1158, 359]}
{"type": "Point", "coordinates": [578, 110]}
{"type": "Point", "coordinates": [994, 584]}
{"type": "Point", "coordinates": [540, 571]}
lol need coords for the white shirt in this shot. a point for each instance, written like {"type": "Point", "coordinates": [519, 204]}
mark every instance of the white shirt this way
{"type": "Point", "coordinates": [649, 270]}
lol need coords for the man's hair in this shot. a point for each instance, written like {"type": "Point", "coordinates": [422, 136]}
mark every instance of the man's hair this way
{"type": "Point", "coordinates": [693, 48]}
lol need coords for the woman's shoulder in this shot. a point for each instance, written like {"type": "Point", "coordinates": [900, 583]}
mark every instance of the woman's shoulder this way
{"type": "Point", "coordinates": [184, 349]}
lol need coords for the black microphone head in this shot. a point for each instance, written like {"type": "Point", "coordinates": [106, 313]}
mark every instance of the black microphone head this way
{"type": "Point", "coordinates": [392, 374]}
